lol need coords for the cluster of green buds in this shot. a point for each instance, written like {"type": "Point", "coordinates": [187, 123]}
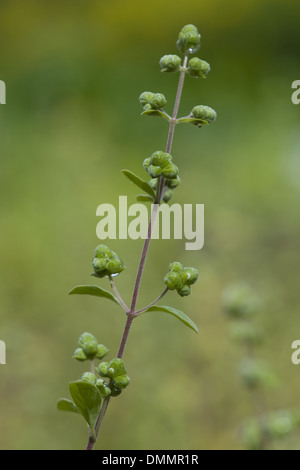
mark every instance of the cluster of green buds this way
{"type": "Point", "coordinates": [106, 262]}
{"type": "Point", "coordinates": [170, 63]}
{"type": "Point", "coordinates": [89, 349]}
{"type": "Point", "coordinates": [180, 278]}
{"type": "Point", "coordinates": [91, 378]}
{"type": "Point", "coordinates": [198, 68]}
{"type": "Point", "coordinates": [199, 116]}
{"type": "Point", "coordinates": [188, 39]}
{"type": "Point", "coordinates": [89, 392]}
{"type": "Point", "coordinates": [153, 103]}
{"type": "Point", "coordinates": [161, 164]}
{"type": "Point", "coordinates": [116, 373]}
{"type": "Point", "coordinates": [170, 184]}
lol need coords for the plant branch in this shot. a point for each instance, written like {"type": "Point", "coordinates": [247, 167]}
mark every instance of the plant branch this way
{"type": "Point", "coordinates": [143, 259]}
{"type": "Point", "coordinates": [173, 122]}
{"type": "Point", "coordinates": [131, 314]}
{"type": "Point", "coordinates": [92, 441]}
{"type": "Point", "coordinates": [152, 303]}
{"type": "Point", "coordinates": [114, 287]}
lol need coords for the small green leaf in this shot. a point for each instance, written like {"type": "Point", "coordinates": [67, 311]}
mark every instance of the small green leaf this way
{"type": "Point", "coordinates": [95, 291]}
{"type": "Point", "coordinates": [157, 112]}
{"type": "Point", "coordinates": [66, 405]}
{"type": "Point", "coordinates": [139, 182]}
{"type": "Point", "coordinates": [144, 198]}
{"type": "Point", "coordinates": [176, 313]}
{"type": "Point", "coordinates": [192, 120]}
{"type": "Point", "coordinates": [87, 399]}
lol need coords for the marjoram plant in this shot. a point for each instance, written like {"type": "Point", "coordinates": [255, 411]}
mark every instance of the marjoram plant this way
{"type": "Point", "coordinates": [92, 394]}
{"type": "Point", "coordinates": [265, 429]}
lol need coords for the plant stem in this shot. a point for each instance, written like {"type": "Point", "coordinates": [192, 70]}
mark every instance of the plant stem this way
{"type": "Point", "coordinates": [152, 303]}
{"type": "Point", "coordinates": [176, 105]}
{"type": "Point", "coordinates": [92, 442]}
{"type": "Point", "coordinates": [143, 258]}
{"type": "Point", "coordinates": [161, 183]}
{"type": "Point", "coordinates": [125, 335]}
{"type": "Point", "coordinates": [114, 287]}
{"type": "Point", "coordinates": [131, 314]}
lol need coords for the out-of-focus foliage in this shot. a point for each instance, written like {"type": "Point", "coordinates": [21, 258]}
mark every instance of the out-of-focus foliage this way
{"type": "Point", "coordinates": [74, 72]}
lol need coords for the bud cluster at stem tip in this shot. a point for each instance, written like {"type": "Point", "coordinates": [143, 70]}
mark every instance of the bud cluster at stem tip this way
{"type": "Point", "coordinates": [106, 262]}
{"type": "Point", "coordinates": [180, 278]}
{"type": "Point", "coordinates": [161, 164]}
{"type": "Point", "coordinates": [116, 372]}
{"type": "Point", "coordinates": [188, 39]}
{"type": "Point", "coordinates": [89, 348]}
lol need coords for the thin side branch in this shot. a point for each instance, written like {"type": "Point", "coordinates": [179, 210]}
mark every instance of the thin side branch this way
{"type": "Point", "coordinates": [118, 295]}
{"type": "Point", "coordinates": [152, 303]}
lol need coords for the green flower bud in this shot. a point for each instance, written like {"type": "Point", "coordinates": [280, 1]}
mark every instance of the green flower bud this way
{"type": "Point", "coordinates": [79, 355]}
{"type": "Point", "coordinates": [90, 349]}
{"type": "Point", "coordinates": [176, 267]}
{"type": "Point", "coordinates": [122, 381]}
{"type": "Point", "coordinates": [118, 366]}
{"type": "Point", "coordinates": [239, 301]}
{"type": "Point", "coordinates": [154, 101]}
{"type": "Point", "coordinates": [146, 97]}
{"type": "Point", "coordinates": [184, 291]}
{"type": "Point", "coordinates": [168, 195]}
{"type": "Point", "coordinates": [161, 164]}
{"type": "Point", "coordinates": [89, 377]}
{"type": "Point", "coordinates": [173, 183]}
{"type": "Point", "coordinates": [116, 372]}
{"type": "Point", "coordinates": [106, 262]}
{"type": "Point", "coordinates": [204, 113]}
{"type": "Point", "coordinates": [180, 278]}
{"type": "Point", "coordinates": [173, 281]}
{"type": "Point", "coordinates": [86, 338]}
{"type": "Point", "coordinates": [103, 369]}
{"type": "Point", "coordinates": [115, 391]}
{"type": "Point", "coordinates": [188, 39]}
{"type": "Point", "coordinates": [101, 351]}
{"type": "Point", "coordinates": [198, 68]}
{"type": "Point", "coordinates": [158, 101]}
{"type": "Point", "coordinates": [103, 388]}
{"type": "Point", "coordinates": [170, 183]}
{"type": "Point", "coordinates": [89, 345]}
{"type": "Point", "coordinates": [170, 63]}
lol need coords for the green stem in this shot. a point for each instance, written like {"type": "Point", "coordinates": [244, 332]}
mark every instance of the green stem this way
{"type": "Point", "coordinates": [131, 314]}
{"type": "Point", "coordinates": [92, 440]}
{"type": "Point", "coordinates": [152, 303]}
{"type": "Point", "coordinates": [114, 287]}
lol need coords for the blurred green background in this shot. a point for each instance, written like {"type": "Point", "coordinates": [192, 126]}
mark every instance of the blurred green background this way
{"type": "Point", "coordinates": [74, 71]}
